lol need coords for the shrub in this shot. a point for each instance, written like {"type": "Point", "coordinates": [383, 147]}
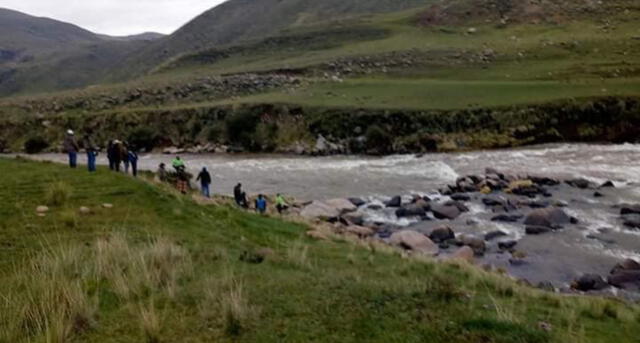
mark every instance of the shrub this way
{"type": "Point", "coordinates": [143, 138]}
{"type": "Point", "coordinates": [241, 128]}
{"type": "Point", "coordinates": [58, 193]}
{"type": "Point", "coordinates": [378, 140]}
{"type": "Point", "coordinates": [35, 145]}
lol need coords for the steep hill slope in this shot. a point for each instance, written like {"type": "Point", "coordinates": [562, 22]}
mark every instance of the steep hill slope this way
{"type": "Point", "coordinates": [24, 37]}
{"type": "Point", "coordinates": [237, 20]}
{"type": "Point", "coordinates": [41, 54]}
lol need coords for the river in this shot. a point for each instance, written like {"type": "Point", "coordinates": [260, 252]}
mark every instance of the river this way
{"type": "Point", "coordinates": [310, 178]}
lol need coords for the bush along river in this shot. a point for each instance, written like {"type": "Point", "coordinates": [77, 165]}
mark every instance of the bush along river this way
{"type": "Point", "coordinates": [564, 217]}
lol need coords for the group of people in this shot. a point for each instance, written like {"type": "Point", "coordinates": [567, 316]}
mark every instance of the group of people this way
{"type": "Point", "coordinates": [261, 201]}
{"type": "Point", "coordinates": [118, 153]}
{"type": "Point", "coordinates": [205, 180]}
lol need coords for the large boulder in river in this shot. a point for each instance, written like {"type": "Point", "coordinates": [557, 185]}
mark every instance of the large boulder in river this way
{"type": "Point", "coordinates": [626, 275]}
{"type": "Point", "coordinates": [342, 205]}
{"type": "Point", "coordinates": [321, 210]}
{"type": "Point", "coordinates": [477, 244]}
{"type": "Point", "coordinates": [396, 201]}
{"type": "Point", "coordinates": [579, 183]}
{"type": "Point", "coordinates": [443, 211]}
{"type": "Point", "coordinates": [465, 253]}
{"type": "Point", "coordinates": [629, 209]}
{"type": "Point", "coordinates": [547, 217]}
{"type": "Point", "coordinates": [411, 210]}
{"type": "Point", "coordinates": [357, 202]}
{"type": "Point", "coordinates": [414, 241]}
{"type": "Point", "coordinates": [627, 279]}
{"type": "Point", "coordinates": [537, 230]}
{"type": "Point", "coordinates": [627, 264]}
{"type": "Point", "coordinates": [355, 218]}
{"type": "Point", "coordinates": [590, 282]}
{"type": "Point", "coordinates": [360, 231]}
{"type": "Point", "coordinates": [442, 234]}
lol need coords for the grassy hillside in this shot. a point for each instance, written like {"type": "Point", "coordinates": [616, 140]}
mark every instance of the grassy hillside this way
{"type": "Point", "coordinates": [41, 54]}
{"type": "Point", "coordinates": [237, 20]}
{"type": "Point", "coordinates": [157, 267]}
{"type": "Point", "coordinates": [465, 76]}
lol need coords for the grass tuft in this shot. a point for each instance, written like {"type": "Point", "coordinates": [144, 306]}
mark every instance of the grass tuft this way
{"type": "Point", "coordinates": [58, 193]}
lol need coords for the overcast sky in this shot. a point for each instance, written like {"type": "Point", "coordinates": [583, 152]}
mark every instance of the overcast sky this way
{"type": "Point", "coordinates": [116, 17]}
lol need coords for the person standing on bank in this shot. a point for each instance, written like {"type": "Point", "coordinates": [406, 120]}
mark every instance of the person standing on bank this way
{"type": "Point", "coordinates": [71, 148]}
{"type": "Point", "coordinates": [205, 181]}
{"type": "Point", "coordinates": [132, 157]}
{"type": "Point", "coordinates": [92, 152]}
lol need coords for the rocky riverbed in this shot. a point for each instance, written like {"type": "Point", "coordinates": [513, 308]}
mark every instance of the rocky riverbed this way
{"type": "Point", "coordinates": [561, 234]}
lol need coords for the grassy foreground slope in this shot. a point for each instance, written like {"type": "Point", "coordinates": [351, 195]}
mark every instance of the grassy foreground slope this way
{"type": "Point", "coordinates": [160, 268]}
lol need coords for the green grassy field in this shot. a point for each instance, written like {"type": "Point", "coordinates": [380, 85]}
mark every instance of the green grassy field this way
{"type": "Point", "coordinates": [439, 94]}
{"type": "Point", "coordinates": [157, 267]}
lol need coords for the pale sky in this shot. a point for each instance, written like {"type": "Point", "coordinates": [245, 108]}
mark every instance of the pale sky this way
{"type": "Point", "coordinates": [116, 17]}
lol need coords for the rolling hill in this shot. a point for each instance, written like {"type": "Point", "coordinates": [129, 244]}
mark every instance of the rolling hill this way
{"type": "Point", "coordinates": [41, 54]}
{"type": "Point", "coordinates": [448, 75]}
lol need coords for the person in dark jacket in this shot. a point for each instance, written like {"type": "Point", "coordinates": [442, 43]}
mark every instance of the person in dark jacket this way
{"type": "Point", "coordinates": [240, 196]}
{"type": "Point", "coordinates": [124, 156]}
{"type": "Point", "coordinates": [116, 153]}
{"type": "Point", "coordinates": [92, 152]}
{"type": "Point", "coordinates": [132, 157]}
{"type": "Point", "coordinates": [71, 148]}
{"type": "Point", "coordinates": [205, 181]}
{"type": "Point", "coordinates": [110, 157]}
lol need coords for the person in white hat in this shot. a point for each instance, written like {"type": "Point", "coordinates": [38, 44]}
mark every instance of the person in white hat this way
{"type": "Point", "coordinates": [71, 147]}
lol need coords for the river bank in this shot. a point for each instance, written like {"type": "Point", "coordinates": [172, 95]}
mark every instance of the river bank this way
{"type": "Point", "coordinates": [597, 242]}
{"type": "Point", "coordinates": [320, 131]}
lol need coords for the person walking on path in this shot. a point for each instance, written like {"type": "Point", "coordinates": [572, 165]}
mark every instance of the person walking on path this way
{"type": "Point", "coordinates": [240, 196]}
{"type": "Point", "coordinates": [281, 204]}
{"type": "Point", "coordinates": [132, 157]}
{"type": "Point", "coordinates": [92, 152]}
{"type": "Point", "coordinates": [261, 204]}
{"type": "Point", "coordinates": [205, 181]}
{"type": "Point", "coordinates": [71, 148]}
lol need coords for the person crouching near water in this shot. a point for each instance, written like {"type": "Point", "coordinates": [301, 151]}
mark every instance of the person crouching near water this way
{"type": "Point", "coordinates": [240, 196]}
{"type": "Point", "coordinates": [181, 173]}
{"type": "Point", "coordinates": [162, 172]}
{"type": "Point", "coordinates": [92, 152]}
{"type": "Point", "coordinates": [205, 181]}
{"type": "Point", "coordinates": [281, 204]}
{"type": "Point", "coordinates": [71, 148]}
{"type": "Point", "coordinates": [261, 204]}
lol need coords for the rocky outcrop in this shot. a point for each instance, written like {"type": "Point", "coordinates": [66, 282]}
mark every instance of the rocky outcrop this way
{"type": "Point", "coordinates": [551, 218]}
{"type": "Point", "coordinates": [442, 234]}
{"type": "Point", "coordinates": [590, 282]}
{"type": "Point", "coordinates": [415, 242]}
